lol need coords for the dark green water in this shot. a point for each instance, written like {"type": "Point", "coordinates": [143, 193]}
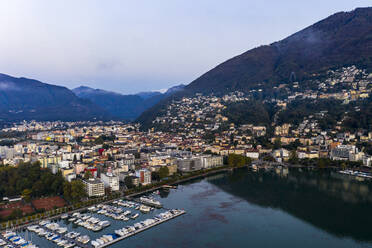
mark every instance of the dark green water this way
{"type": "Point", "coordinates": [259, 209]}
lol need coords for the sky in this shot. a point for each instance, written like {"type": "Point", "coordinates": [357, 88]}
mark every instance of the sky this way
{"type": "Point", "coordinates": [143, 45]}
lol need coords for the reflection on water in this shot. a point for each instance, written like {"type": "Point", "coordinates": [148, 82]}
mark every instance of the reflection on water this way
{"type": "Point", "coordinates": [278, 208]}
{"type": "Point", "coordinates": [335, 203]}
{"type": "Point", "coordinates": [164, 193]}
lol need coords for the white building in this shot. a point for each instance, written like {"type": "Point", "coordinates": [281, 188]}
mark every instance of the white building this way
{"type": "Point", "coordinates": [94, 187]}
{"type": "Point", "coordinates": [344, 152]}
{"type": "Point", "coordinates": [111, 181]}
{"type": "Point", "coordinates": [211, 161]}
{"type": "Point", "coordinates": [367, 161]}
{"type": "Point", "coordinates": [253, 154]}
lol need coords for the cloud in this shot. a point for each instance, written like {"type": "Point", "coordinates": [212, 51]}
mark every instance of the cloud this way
{"type": "Point", "coordinates": [8, 86]}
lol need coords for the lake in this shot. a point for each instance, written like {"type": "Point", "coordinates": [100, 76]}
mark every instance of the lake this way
{"type": "Point", "coordinates": [276, 208]}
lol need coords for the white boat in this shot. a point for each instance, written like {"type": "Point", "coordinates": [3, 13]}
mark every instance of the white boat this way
{"type": "Point", "coordinates": [64, 216]}
{"type": "Point", "coordinates": [145, 209]}
{"type": "Point", "coordinates": [104, 223]}
{"type": "Point", "coordinates": [150, 201]}
{"type": "Point", "coordinates": [95, 243]}
{"type": "Point", "coordinates": [83, 239]}
{"type": "Point", "coordinates": [72, 219]}
{"type": "Point", "coordinates": [134, 216]}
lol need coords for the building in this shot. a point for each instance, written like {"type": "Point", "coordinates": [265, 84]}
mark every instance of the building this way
{"type": "Point", "coordinates": [189, 164]}
{"type": "Point", "coordinates": [144, 177]}
{"type": "Point", "coordinates": [94, 187]}
{"type": "Point", "coordinates": [44, 161]}
{"type": "Point", "coordinates": [253, 154]}
{"type": "Point", "coordinates": [93, 171]}
{"type": "Point", "coordinates": [111, 181]}
{"type": "Point", "coordinates": [343, 152]}
{"type": "Point", "coordinates": [70, 177]}
{"type": "Point", "coordinates": [282, 130]}
{"type": "Point", "coordinates": [172, 168]}
{"type": "Point", "coordinates": [211, 161]}
{"type": "Point", "coordinates": [367, 161]}
{"type": "Point", "coordinates": [134, 180]}
{"type": "Point", "coordinates": [280, 155]}
{"type": "Point", "coordinates": [66, 171]}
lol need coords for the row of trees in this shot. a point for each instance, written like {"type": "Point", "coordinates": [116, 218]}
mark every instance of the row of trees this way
{"type": "Point", "coordinates": [323, 162]}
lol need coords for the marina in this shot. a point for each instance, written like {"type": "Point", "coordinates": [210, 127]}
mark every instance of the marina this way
{"type": "Point", "coordinates": [87, 229]}
{"type": "Point", "coordinates": [12, 239]}
{"type": "Point", "coordinates": [129, 231]}
{"type": "Point", "coordinates": [257, 209]}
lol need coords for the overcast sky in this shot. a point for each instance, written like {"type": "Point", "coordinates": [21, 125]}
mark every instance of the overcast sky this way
{"type": "Point", "coordinates": [142, 45]}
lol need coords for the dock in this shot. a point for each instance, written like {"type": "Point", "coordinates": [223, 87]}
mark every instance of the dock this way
{"type": "Point", "coordinates": [357, 174]}
{"type": "Point", "coordinates": [141, 230]}
{"type": "Point", "coordinates": [144, 203]}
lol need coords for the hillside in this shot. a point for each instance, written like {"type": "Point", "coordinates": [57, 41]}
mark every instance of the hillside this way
{"type": "Point", "coordinates": [342, 39]}
{"type": "Point", "coordinates": [26, 99]}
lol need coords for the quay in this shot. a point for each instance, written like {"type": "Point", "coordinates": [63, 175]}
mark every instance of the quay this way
{"type": "Point", "coordinates": [357, 174]}
{"type": "Point", "coordinates": [142, 229]}
{"type": "Point", "coordinates": [174, 184]}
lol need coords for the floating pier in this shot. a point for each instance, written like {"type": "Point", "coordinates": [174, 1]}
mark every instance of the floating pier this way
{"type": "Point", "coordinates": [181, 212]}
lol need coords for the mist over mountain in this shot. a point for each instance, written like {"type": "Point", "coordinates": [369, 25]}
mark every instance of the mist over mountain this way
{"type": "Point", "coordinates": [148, 94]}
{"type": "Point", "coordinates": [342, 39]}
{"type": "Point", "coordinates": [26, 99]}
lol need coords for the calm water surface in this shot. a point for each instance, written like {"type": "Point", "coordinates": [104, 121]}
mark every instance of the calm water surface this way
{"type": "Point", "coordinates": [277, 208]}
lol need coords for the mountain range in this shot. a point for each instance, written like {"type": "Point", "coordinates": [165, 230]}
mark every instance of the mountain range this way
{"type": "Point", "coordinates": [26, 99]}
{"type": "Point", "coordinates": [342, 39]}
{"type": "Point", "coordinates": [29, 99]}
{"type": "Point", "coordinates": [127, 107]}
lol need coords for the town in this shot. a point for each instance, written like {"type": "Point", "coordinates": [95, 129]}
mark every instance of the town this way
{"type": "Point", "coordinates": [194, 135]}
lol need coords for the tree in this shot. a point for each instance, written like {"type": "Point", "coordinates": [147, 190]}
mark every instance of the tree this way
{"type": "Point", "coordinates": [155, 176]}
{"type": "Point", "coordinates": [322, 163]}
{"type": "Point", "coordinates": [293, 158]}
{"type": "Point", "coordinates": [163, 172]}
{"type": "Point", "coordinates": [16, 213]}
{"type": "Point", "coordinates": [235, 160]}
{"type": "Point", "coordinates": [99, 140]}
{"type": "Point", "coordinates": [343, 166]}
{"type": "Point", "coordinates": [277, 143]}
{"type": "Point", "coordinates": [77, 190]}
{"type": "Point", "coordinates": [269, 158]}
{"type": "Point", "coordinates": [26, 195]}
{"type": "Point", "coordinates": [67, 191]}
{"type": "Point", "coordinates": [87, 174]}
{"type": "Point", "coordinates": [128, 182]}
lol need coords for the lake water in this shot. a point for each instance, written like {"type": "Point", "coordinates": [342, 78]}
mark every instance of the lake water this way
{"type": "Point", "coordinates": [279, 208]}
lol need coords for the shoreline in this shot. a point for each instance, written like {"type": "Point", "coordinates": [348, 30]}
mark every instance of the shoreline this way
{"type": "Point", "coordinates": [217, 171]}
{"type": "Point", "coordinates": [131, 195]}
